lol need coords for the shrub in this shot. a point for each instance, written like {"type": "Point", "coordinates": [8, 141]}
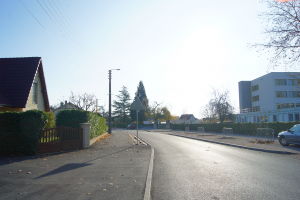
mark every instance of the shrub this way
{"type": "Point", "coordinates": [73, 118]}
{"type": "Point", "coordinates": [239, 128]}
{"type": "Point", "coordinates": [51, 120]}
{"type": "Point", "coordinates": [20, 132]}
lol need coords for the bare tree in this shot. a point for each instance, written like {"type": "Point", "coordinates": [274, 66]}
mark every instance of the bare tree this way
{"type": "Point", "coordinates": [153, 110]}
{"type": "Point", "coordinates": [282, 32]}
{"type": "Point", "coordinates": [84, 101]}
{"type": "Point", "coordinates": [221, 104]}
{"type": "Point", "coordinates": [209, 111]}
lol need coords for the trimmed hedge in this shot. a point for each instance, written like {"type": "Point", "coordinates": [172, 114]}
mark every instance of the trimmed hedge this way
{"type": "Point", "coordinates": [73, 118]}
{"type": "Point", "coordinates": [20, 131]}
{"type": "Point", "coordinates": [239, 128]}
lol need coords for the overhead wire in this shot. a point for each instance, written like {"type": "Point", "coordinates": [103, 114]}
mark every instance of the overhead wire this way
{"type": "Point", "coordinates": [59, 27]}
{"type": "Point", "coordinates": [92, 78]}
{"type": "Point", "coordinates": [75, 32]}
{"type": "Point", "coordinates": [69, 33]}
{"type": "Point", "coordinates": [47, 31]}
{"type": "Point", "coordinates": [79, 39]}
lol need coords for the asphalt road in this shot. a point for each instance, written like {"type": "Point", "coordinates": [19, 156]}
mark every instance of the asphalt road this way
{"type": "Point", "coordinates": [191, 169]}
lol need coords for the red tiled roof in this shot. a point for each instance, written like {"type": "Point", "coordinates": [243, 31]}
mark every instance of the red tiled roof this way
{"type": "Point", "coordinates": [16, 78]}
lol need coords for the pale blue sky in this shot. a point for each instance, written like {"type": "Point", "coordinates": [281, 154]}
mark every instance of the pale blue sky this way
{"type": "Point", "coordinates": [179, 49]}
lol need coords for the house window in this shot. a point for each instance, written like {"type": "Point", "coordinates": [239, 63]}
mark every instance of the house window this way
{"type": "Point", "coordinates": [34, 92]}
{"type": "Point", "coordinates": [294, 94]}
{"type": "Point", "coordinates": [281, 94]}
{"type": "Point", "coordinates": [280, 81]}
{"type": "Point", "coordinates": [293, 82]}
{"type": "Point", "coordinates": [255, 98]}
{"type": "Point", "coordinates": [254, 88]}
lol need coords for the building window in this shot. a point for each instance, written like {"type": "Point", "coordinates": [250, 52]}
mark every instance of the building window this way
{"type": "Point", "coordinates": [256, 109]}
{"type": "Point", "coordinates": [296, 116]}
{"type": "Point", "coordinates": [264, 118]}
{"type": "Point", "coordinates": [297, 104]}
{"type": "Point", "coordinates": [286, 105]}
{"type": "Point", "coordinates": [258, 118]}
{"type": "Point", "coordinates": [275, 118]}
{"type": "Point", "coordinates": [34, 92]}
{"type": "Point", "coordinates": [254, 88]}
{"type": "Point", "coordinates": [255, 98]}
{"type": "Point", "coordinates": [290, 117]}
{"type": "Point", "coordinates": [293, 82]}
{"type": "Point", "coordinates": [294, 94]}
{"type": "Point", "coordinates": [281, 94]}
{"type": "Point", "coordinates": [280, 81]}
{"type": "Point", "coordinates": [254, 118]}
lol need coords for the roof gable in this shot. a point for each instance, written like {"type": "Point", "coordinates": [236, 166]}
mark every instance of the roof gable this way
{"type": "Point", "coordinates": [186, 116]}
{"type": "Point", "coordinates": [16, 78]}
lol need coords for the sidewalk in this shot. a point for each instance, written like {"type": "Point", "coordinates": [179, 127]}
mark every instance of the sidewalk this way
{"type": "Point", "coordinates": [240, 141]}
{"type": "Point", "coordinates": [113, 168]}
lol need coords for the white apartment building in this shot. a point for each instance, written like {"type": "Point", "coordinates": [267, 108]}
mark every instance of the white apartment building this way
{"type": "Point", "coordinates": [270, 98]}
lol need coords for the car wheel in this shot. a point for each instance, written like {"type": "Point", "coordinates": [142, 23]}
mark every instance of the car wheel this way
{"type": "Point", "coordinates": [283, 141]}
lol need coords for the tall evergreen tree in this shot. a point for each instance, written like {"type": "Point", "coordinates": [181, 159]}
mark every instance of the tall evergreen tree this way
{"type": "Point", "coordinates": [141, 94]}
{"type": "Point", "coordinates": [122, 105]}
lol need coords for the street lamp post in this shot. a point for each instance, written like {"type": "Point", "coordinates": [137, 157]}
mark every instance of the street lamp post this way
{"type": "Point", "coordinates": [109, 119]}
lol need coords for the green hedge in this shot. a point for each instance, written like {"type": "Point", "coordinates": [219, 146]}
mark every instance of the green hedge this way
{"type": "Point", "coordinates": [73, 118]}
{"type": "Point", "coordinates": [20, 132]}
{"type": "Point", "coordinates": [239, 128]}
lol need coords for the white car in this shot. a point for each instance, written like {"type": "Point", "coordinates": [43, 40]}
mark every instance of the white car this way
{"type": "Point", "coordinates": [291, 136]}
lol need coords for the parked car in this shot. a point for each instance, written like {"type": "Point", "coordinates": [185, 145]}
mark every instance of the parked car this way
{"type": "Point", "coordinates": [291, 136]}
{"type": "Point", "coordinates": [131, 126]}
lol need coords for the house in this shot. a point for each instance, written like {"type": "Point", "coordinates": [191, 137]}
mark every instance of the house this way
{"type": "Point", "coordinates": [22, 85]}
{"type": "Point", "coordinates": [66, 106]}
{"type": "Point", "coordinates": [187, 119]}
{"type": "Point", "coordinates": [270, 98]}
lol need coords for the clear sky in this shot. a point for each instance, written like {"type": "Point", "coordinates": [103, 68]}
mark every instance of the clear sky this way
{"type": "Point", "coordinates": [180, 49]}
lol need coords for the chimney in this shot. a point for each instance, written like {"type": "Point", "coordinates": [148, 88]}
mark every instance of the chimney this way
{"type": "Point", "coordinates": [66, 102]}
{"type": "Point", "coordinates": [61, 103]}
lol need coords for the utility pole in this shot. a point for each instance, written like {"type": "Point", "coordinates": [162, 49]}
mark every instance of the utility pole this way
{"type": "Point", "coordinates": [137, 121]}
{"type": "Point", "coordinates": [109, 105]}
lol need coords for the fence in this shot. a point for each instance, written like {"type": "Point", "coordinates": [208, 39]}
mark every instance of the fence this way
{"type": "Point", "coordinates": [200, 130]}
{"type": "Point", "coordinates": [265, 132]}
{"type": "Point", "coordinates": [227, 131]}
{"type": "Point", "coordinates": [60, 139]}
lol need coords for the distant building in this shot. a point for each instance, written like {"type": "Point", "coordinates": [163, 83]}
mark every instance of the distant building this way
{"type": "Point", "coordinates": [66, 106]}
{"type": "Point", "coordinates": [270, 98]}
{"type": "Point", "coordinates": [187, 119]}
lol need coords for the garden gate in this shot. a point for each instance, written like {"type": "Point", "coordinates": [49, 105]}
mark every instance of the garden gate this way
{"type": "Point", "coordinates": [60, 139]}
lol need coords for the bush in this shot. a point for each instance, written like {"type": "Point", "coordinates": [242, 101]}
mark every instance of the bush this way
{"type": "Point", "coordinates": [51, 120]}
{"type": "Point", "coordinates": [20, 132]}
{"type": "Point", "coordinates": [73, 118]}
{"type": "Point", "coordinates": [239, 128]}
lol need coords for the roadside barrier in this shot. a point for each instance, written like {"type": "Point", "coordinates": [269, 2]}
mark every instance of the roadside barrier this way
{"type": "Point", "coordinates": [265, 132]}
{"type": "Point", "coordinates": [227, 131]}
{"type": "Point", "coordinates": [200, 130]}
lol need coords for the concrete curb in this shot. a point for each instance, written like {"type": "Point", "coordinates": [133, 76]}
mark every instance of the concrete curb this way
{"type": "Point", "coordinates": [235, 145]}
{"type": "Point", "coordinates": [92, 141]}
{"type": "Point", "coordinates": [147, 195]}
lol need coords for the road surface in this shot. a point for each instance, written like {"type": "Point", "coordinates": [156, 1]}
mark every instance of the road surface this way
{"type": "Point", "coordinates": [191, 169]}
